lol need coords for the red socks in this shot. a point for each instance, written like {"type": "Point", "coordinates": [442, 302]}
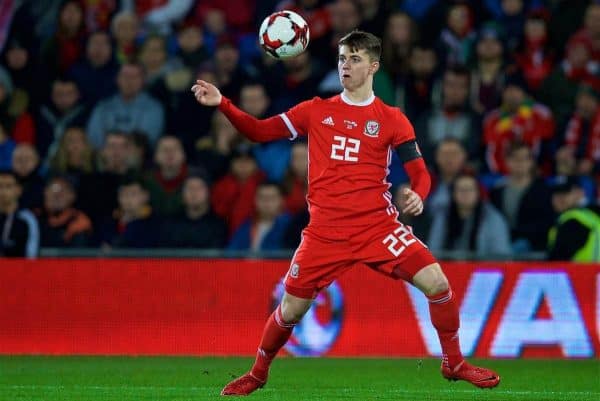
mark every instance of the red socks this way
{"type": "Point", "coordinates": [444, 317]}
{"type": "Point", "coordinates": [275, 335]}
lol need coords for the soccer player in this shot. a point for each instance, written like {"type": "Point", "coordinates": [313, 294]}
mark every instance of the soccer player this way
{"type": "Point", "coordinates": [352, 220]}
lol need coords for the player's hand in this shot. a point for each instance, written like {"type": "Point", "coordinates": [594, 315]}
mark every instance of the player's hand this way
{"type": "Point", "coordinates": [412, 204]}
{"type": "Point", "coordinates": [206, 93]}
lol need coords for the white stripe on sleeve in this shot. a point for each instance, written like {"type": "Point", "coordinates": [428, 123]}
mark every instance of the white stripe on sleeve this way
{"type": "Point", "coordinates": [289, 125]}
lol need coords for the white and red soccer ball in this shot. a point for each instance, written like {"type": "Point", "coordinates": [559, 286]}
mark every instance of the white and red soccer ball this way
{"type": "Point", "coordinates": [284, 34]}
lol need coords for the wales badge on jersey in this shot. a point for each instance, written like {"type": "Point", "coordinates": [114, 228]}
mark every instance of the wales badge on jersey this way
{"type": "Point", "coordinates": [371, 128]}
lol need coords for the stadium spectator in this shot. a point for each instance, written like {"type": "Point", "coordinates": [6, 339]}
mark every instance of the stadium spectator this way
{"type": "Point", "coordinates": [140, 154]}
{"type": "Point", "coordinates": [20, 231]}
{"type": "Point", "coordinates": [97, 192]}
{"type": "Point", "coordinates": [301, 81]}
{"type": "Point", "coordinates": [197, 226]}
{"type": "Point", "coordinates": [154, 60]}
{"type": "Point", "coordinates": [344, 16]}
{"type": "Point", "coordinates": [266, 229]}
{"type": "Point", "coordinates": [27, 78]}
{"type": "Point", "coordinates": [165, 183]}
{"type": "Point", "coordinates": [524, 200]}
{"type": "Point", "coordinates": [401, 34]}
{"type": "Point", "coordinates": [315, 13]}
{"type": "Point", "coordinates": [415, 94]}
{"type": "Point", "coordinates": [455, 44]}
{"type": "Point", "coordinates": [254, 99]}
{"type": "Point", "coordinates": [74, 156]}
{"type": "Point", "coordinates": [133, 225]}
{"type": "Point", "coordinates": [61, 225]}
{"type": "Point", "coordinates": [374, 15]}
{"type": "Point", "coordinates": [214, 152]}
{"type": "Point", "coordinates": [96, 74]}
{"type": "Point", "coordinates": [576, 233]}
{"type": "Point", "coordinates": [272, 157]}
{"type": "Point", "coordinates": [453, 118]}
{"type": "Point", "coordinates": [125, 29]}
{"type": "Point", "coordinates": [13, 111]}
{"type": "Point", "coordinates": [63, 110]}
{"type": "Point", "coordinates": [26, 166]}
{"type": "Point", "coordinates": [559, 89]}
{"type": "Point", "coordinates": [470, 223]}
{"type": "Point", "coordinates": [98, 13]}
{"type": "Point", "coordinates": [230, 194]}
{"type": "Point", "coordinates": [214, 24]}
{"type": "Point", "coordinates": [535, 57]}
{"type": "Point", "coordinates": [61, 51]}
{"type": "Point", "coordinates": [159, 16]}
{"type": "Point", "coordinates": [450, 161]}
{"type": "Point", "coordinates": [182, 119]}
{"type": "Point", "coordinates": [582, 130]}
{"type": "Point", "coordinates": [591, 29]}
{"type": "Point", "coordinates": [399, 38]}
{"type": "Point", "coordinates": [511, 14]}
{"type": "Point", "coordinates": [295, 181]}
{"type": "Point", "coordinates": [7, 147]}
{"type": "Point", "coordinates": [132, 109]}
{"type": "Point", "coordinates": [488, 73]}
{"type": "Point", "coordinates": [565, 165]}
{"type": "Point", "coordinates": [226, 67]}
{"type": "Point", "coordinates": [519, 119]}
{"type": "Point", "coordinates": [239, 15]}
{"type": "Point", "coordinates": [191, 49]}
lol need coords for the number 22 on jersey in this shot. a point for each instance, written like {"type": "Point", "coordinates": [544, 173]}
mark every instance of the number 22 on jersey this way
{"type": "Point", "coordinates": [345, 149]}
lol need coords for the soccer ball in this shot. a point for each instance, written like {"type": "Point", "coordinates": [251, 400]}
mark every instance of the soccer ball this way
{"type": "Point", "coordinates": [284, 34]}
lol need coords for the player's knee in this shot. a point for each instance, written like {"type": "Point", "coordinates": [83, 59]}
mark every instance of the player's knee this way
{"type": "Point", "coordinates": [438, 285]}
{"type": "Point", "coordinates": [293, 308]}
{"type": "Point", "coordinates": [431, 280]}
{"type": "Point", "coordinates": [291, 313]}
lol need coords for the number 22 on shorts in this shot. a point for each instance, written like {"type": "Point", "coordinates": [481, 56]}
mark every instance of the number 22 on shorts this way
{"type": "Point", "coordinates": [398, 241]}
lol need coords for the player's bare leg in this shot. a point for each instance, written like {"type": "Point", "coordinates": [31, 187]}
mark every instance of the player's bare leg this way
{"type": "Point", "coordinates": [277, 331]}
{"type": "Point", "coordinates": [445, 318]}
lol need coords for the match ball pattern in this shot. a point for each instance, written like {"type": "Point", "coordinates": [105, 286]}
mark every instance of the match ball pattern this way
{"type": "Point", "coordinates": [284, 34]}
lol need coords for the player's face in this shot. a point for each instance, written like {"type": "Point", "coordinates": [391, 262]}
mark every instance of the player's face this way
{"type": "Point", "coordinates": [355, 67]}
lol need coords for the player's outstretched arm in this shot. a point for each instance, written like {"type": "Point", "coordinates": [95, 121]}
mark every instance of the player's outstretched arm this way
{"type": "Point", "coordinates": [254, 129]}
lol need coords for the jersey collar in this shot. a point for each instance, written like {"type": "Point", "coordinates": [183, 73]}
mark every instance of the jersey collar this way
{"type": "Point", "coordinates": [367, 102]}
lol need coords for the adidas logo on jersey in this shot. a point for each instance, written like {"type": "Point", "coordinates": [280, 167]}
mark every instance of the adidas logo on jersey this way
{"type": "Point", "coordinates": [328, 121]}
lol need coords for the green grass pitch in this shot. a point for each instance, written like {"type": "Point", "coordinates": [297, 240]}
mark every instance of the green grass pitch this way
{"type": "Point", "coordinates": [33, 378]}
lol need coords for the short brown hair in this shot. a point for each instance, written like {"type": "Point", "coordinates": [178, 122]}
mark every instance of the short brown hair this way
{"type": "Point", "coordinates": [359, 40]}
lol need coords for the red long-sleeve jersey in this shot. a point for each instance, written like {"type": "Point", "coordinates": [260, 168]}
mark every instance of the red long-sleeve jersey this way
{"type": "Point", "coordinates": [349, 150]}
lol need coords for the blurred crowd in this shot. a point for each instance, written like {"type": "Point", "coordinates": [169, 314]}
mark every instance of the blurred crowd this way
{"type": "Point", "coordinates": [102, 143]}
